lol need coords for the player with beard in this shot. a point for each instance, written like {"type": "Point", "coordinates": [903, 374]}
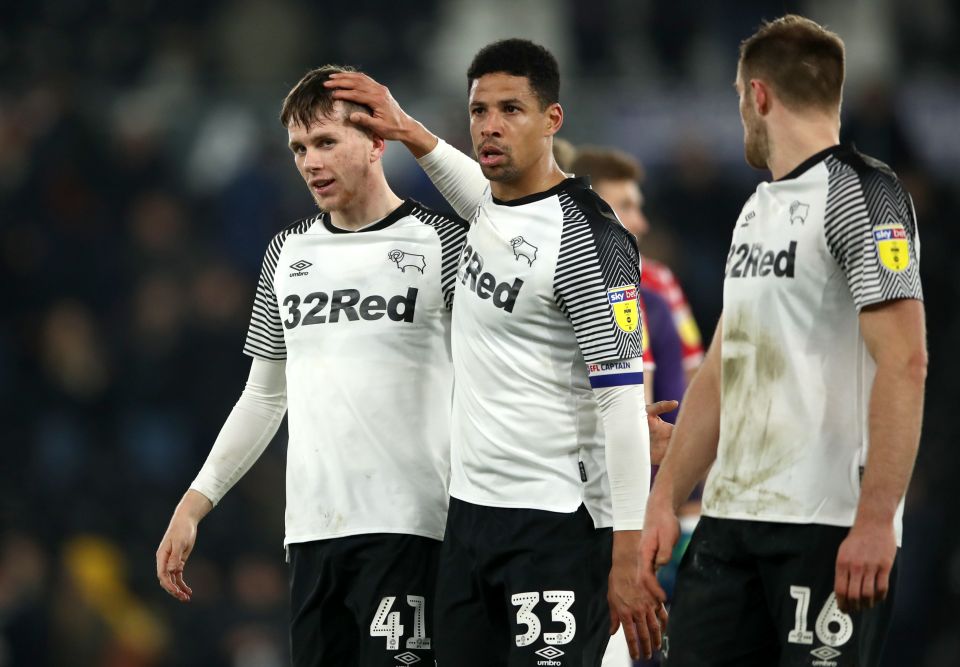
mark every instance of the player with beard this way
{"type": "Point", "coordinates": [807, 410]}
{"type": "Point", "coordinates": [349, 334]}
{"type": "Point", "coordinates": [547, 353]}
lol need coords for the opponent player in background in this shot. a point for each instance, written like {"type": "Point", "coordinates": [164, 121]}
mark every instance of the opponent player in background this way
{"type": "Point", "coordinates": [809, 403]}
{"type": "Point", "coordinates": [616, 177]}
{"type": "Point", "coordinates": [675, 339]}
{"type": "Point", "coordinates": [546, 347]}
{"type": "Point", "coordinates": [350, 334]}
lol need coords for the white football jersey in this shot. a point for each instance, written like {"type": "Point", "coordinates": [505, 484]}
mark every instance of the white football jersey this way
{"type": "Point", "coordinates": [809, 252]}
{"type": "Point", "coordinates": [546, 310]}
{"type": "Point", "coordinates": [363, 321]}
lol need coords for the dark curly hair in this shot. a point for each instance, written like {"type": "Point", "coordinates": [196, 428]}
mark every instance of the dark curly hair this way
{"type": "Point", "coordinates": [520, 57]}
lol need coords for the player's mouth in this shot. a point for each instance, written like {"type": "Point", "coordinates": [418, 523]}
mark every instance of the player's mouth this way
{"type": "Point", "coordinates": [491, 156]}
{"type": "Point", "coordinates": [322, 186]}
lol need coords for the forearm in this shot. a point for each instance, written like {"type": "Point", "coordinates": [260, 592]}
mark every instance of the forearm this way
{"type": "Point", "coordinates": [248, 430]}
{"type": "Point", "coordinates": [896, 410]}
{"type": "Point", "coordinates": [894, 333]}
{"type": "Point", "coordinates": [627, 448]}
{"type": "Point", "coordinates": [457, 176]}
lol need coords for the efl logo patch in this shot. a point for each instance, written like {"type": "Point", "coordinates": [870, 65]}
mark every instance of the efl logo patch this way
{"type": "Point", "coordinates": [892, 246]}
{"type": "Point", "coordinates": [626, 312]}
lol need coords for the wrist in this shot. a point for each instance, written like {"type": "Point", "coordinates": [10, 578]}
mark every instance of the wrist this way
{"type": "Point", "coordinates": [417, 138]}
{"type": "Point", "coordinates": [626, 544]}
{"type": "Point", "coordinates": [871, 517]}
{"type": "Point", "coordinates": [193, 506]}
{"type": "Point", "coordinates": [662, 496]}
{"type": "Point", "coordinates": [875, 509]}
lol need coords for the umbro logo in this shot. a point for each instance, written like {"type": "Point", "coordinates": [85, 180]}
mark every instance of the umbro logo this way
{"type": "Point", "coordinates": [406, 260]}
{"type": "Point", "coordinates": [825, 656]}
{"type": "Point", "coordinates": [549, 655]}
{"type": "Point", "coordinates": [407, 658]}
{"type": "Point", "coordinates": [522, 248]}
{"type": "Point", "coordinates": [300, 268]}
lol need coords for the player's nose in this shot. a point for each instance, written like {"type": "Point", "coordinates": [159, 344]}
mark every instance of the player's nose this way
{"type": "Point", "coordinates": [313, 160]}
{"type": "Point", "coordinates": [491, 125]}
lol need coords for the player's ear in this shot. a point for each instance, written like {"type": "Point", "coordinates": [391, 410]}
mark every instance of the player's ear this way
{"type": "Point", "coordinates": [761, 98]}
{"type": "Point", "coordinates": [553, 118]}
{"type": "Point", "coordinates": [377, 147]}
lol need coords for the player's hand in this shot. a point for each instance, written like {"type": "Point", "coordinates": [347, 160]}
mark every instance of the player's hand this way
{"type": "Point", "coordinates": [863, 568]}
{"type": "Point", "coordinates": [388, 121]}
{"type": "Point", "coordinates": [172, 555]}
{"type": "Point", "coordinates": [660, 431]}
{"type": "Point", "coordinates": [632, 604]}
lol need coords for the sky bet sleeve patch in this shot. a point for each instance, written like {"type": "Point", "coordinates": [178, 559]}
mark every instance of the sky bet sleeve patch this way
{"type": "Point", "coordinates": [626, 311]}
{"type": "Point", "coordinates": [892, 246]}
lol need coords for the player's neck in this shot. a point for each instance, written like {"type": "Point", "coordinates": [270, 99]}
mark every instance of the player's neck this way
{"type": "Point", "coordinates": [377, 202]}
{"type": "Point", "coordinates": [540, 177]}
{"type": "Point", "coordinates": [792, 143]}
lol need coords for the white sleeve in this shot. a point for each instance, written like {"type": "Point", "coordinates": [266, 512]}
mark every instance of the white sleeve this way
{"type": "Point", "coordinates": [627, 438]}
{"type": "Point", "coordinates": [457, 176]}
{"type": "Point", "coordinates": [248, 430]}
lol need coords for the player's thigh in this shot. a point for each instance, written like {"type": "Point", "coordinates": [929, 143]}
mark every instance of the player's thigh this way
{"type": "Point", "coordinates": [468, 630]}
{"type": "Point", "coordinates": [555, 594]}
{"type": "Point", "coordinates": [719, 614]}
{"type": "Point", "coordinates": [322, 631]}
{"type": "Point", "coordinates": [799, 575]}
{"type": "Point", "coordinates": [392, 600]}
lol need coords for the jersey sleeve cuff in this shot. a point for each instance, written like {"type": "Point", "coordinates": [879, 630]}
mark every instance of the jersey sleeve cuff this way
{"type": "Point", "coordinates": [436, 155]}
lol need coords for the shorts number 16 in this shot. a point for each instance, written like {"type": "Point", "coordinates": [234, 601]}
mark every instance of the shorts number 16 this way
{"type": "Point", "coordinates": [833, 627]}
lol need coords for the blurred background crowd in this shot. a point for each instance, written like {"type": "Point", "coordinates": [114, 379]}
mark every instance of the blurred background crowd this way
{"type": "Point", "coordinates": [143, 171]}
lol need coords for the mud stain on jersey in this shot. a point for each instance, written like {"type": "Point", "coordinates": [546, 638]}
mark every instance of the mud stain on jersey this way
{"type": "Point", "coordinates": [754, 451]}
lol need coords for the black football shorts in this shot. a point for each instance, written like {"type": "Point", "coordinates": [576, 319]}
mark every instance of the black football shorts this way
{"type": "Point", "coordinates": [522, 587]}
{"type": "Point", "coordinates": [363, 601]}
{"type": "Point", "coordinates": [757, 593]}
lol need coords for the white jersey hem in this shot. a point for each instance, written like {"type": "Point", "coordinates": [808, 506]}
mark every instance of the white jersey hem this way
{"type": "Point", "coordinates": [795, 520]}
{"type": "Point", "coordinates": [314, 537]}
{"type": "Point", "coordinates": [519, 505]}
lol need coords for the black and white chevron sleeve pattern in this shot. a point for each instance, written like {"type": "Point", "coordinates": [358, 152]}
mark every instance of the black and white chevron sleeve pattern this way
{"type": "Point", "coordinates": [596, 254]}
{"type": "Point", "coordinates": [453, 236]}
{"type": "Point", "coordinates": [871, 232]}
{"type": "Point", "coordinates": [265, 334]}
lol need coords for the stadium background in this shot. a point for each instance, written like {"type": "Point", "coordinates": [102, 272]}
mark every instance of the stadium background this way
{"type": "Point", "coordinates": [142, 172]}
